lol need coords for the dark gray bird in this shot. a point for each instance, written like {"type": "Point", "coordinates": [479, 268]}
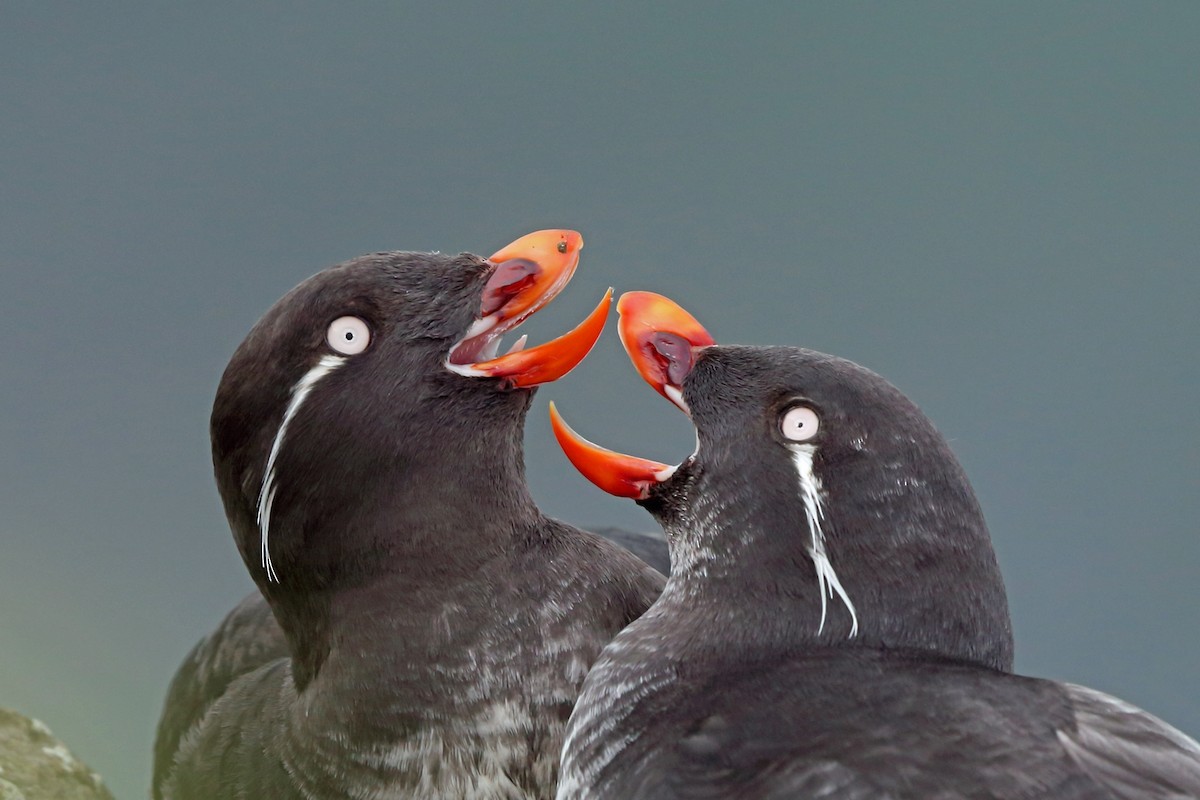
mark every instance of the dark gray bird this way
{"type": "Point", "coordinates": [835, 624]}
{"type": "Point", "coordinates": [425, 628]}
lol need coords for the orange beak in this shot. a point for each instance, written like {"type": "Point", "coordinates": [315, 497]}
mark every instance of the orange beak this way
{"type": "Point", "coordinates": [662, 341]}
{"type": "Point", "coordinates": [554, 359]}
{"type": "Point", "coordinates": [529, 273]}
{"type": "Point", "coordinates": [615, 473]}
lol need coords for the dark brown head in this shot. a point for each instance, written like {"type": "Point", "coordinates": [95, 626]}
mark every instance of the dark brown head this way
{"type": "Point", "coordinates": [816, 487]}
{"type": "Point", "coordinates": [367, 420]}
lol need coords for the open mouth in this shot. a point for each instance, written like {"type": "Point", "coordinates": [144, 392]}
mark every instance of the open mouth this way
{"type": "Point", "coordinates": [662, 341]}
{"type": "Point", "coordinates": [529, 273]}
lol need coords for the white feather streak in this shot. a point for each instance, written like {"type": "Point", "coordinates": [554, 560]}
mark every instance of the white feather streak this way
{"type": "Point", "coordinates": [827, 579]}
{"type": "Point", "coordinates": [266, 495]}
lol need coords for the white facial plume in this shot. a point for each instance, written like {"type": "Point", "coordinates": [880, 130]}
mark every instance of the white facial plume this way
{"type": "Point", "coordinates": [266, 495]}
{"type": "Point", "coordinates": [799, 427]}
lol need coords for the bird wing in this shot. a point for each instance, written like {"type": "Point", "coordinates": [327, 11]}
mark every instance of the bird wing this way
{"type": "Point", "coordinates": [246, 639]}
{"type": "Point", "coordinates": [1133, 754]}
{"type": "Point", "coordinates": [722, 758]}
{"type": "Point", "coordinates": [792, 779]}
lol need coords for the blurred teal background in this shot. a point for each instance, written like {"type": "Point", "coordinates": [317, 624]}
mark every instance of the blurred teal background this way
{"type": "Point", "coordinates": [995, 206]}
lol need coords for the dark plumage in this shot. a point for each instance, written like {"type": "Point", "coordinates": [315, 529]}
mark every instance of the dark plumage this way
{"type": "Point", "coordinates": [248, 638]}
{"type": "Point", "coordinates": [741, 681]}
{"type": "Point", "coordinates": [649, 547]}
{"type": "Point", "coordinates": [427, 628]}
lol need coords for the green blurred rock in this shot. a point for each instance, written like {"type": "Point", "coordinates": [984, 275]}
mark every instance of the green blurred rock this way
{"type": "Point", "coordinates": [34, 765]}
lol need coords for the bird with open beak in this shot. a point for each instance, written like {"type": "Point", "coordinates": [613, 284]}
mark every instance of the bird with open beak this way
{"type": "Point", "coordinates": [422, 629]}
{"type": "Point", "coordinates": [835, 623]}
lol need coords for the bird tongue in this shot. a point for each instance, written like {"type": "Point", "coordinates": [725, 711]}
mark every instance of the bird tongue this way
{"type": "Point", "coordinates": [662, 340]}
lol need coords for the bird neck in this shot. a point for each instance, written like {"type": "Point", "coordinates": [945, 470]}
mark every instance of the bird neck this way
{"type": "Point", "coordinates": [402, 531]}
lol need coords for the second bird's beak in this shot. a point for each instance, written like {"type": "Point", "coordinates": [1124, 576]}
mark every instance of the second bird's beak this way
{"type": "Point", "coordinates": [663, 341]}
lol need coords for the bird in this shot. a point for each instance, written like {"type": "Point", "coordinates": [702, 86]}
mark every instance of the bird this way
{"type": "Point", "coordinates": [420, 629]}
{"type": "Point", "coordinates": [835, 623]}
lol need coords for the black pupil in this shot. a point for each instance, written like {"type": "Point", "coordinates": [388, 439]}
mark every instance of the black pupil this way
{"type": "Point", "coordinates": [349, 336]}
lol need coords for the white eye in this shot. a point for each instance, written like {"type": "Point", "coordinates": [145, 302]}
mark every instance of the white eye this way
{"type": "Point", "coordinates": [799, 424]}
{"type": "Point", "coordinates": [348, 335]}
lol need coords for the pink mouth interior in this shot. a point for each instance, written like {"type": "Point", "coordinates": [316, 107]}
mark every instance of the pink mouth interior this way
{"type": "Point", "coordinates": [506, 283]}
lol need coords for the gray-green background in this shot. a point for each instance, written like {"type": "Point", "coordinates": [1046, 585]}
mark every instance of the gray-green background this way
{"type": "Point", "coordinates": [997, 207]}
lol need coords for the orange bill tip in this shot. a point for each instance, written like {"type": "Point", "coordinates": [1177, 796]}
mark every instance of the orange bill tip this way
{"type": "Point", "coordinates": [615, 473]}
{"type": "Point", "coordinates": [529, 273]}
{"type": "Point", "coordinates": [548, 244]}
